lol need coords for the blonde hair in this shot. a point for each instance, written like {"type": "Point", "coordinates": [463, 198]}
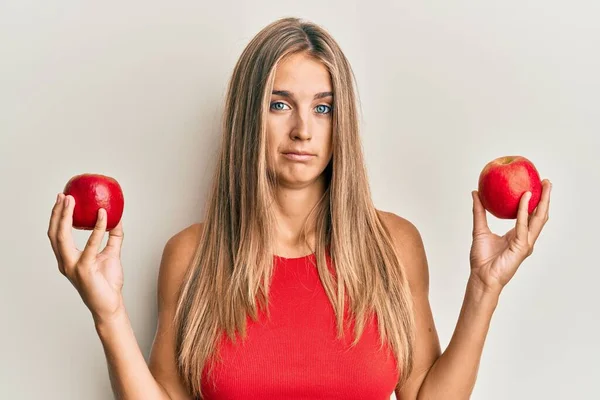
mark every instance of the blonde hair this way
{"type": "Point", "coordinates": [229, 276]}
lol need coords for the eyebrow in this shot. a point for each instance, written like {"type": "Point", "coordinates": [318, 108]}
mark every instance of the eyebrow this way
{"type": "Point", "coordinates": [288, 94]}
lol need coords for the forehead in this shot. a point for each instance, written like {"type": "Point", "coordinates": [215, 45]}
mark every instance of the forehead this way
{"type": "Point", "coordinates": [300, 73]}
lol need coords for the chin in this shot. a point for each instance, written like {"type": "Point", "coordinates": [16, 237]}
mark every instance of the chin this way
{"type": "Point", "coordinates": [299, 180]}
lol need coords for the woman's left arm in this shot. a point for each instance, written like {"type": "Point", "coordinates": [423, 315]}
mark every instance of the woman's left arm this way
{"type": "Point", "coordinates": [494, 261]}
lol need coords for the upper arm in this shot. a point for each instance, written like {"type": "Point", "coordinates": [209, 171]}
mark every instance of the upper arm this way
{"type": "Point", "coordinates": [411, 251]}
{"type": "Point", "coordinates": [177, 255]}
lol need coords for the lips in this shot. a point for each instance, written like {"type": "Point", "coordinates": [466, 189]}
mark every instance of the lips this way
{"type": "Point", "coordinates": [300, 153]}
{"type": "Point", "coordinates": [298, 157]}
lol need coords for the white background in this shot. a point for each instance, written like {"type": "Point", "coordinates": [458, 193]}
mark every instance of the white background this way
{"type": "Point", "coordinates": [134, 90]}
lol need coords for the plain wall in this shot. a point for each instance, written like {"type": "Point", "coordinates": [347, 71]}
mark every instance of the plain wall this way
{"type": "Point", "coordinates": [134, 90]}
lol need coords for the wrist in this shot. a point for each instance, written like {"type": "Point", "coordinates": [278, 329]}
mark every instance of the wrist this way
{"type": "Point", "coordinates": [479, 292]}
{"type": "Point", "coordinates": [107, 323]}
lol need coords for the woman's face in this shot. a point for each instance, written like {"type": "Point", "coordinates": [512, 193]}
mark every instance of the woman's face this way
{"type": "Point", "coordinates": [300, 120]}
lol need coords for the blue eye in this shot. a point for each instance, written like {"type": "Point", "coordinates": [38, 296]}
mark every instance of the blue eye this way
{"type": "Point", "coordinates": [275, 104]}
{"type": "Point", "coordinates": [323, 109]}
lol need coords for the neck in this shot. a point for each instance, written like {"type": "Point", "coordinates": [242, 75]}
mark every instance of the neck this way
{"type": "Point", "coordinates": [292, 209]}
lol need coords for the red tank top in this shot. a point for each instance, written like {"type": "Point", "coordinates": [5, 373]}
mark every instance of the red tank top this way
{"type": "Point", "coordinates": [296, 355]}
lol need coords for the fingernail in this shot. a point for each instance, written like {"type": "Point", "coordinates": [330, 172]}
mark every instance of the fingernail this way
{"type": "Point", "coordinates": [66, 201]}
{"type": "Point", "coordinates": [57, 198]}
{"type": "Point", "coordinates": [100, 215]}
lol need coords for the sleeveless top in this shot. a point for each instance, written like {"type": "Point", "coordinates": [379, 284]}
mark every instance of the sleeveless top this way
{"type": "Point", "coordinates": [295, 354]}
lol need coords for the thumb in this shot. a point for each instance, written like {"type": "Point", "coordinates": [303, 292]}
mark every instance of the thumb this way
{"type": "Point", "coordinates": [93, 244]}
{"type": "Point", "coordinates": [479, 215]}
{"type": "Point", "coordinates": [115, 239]}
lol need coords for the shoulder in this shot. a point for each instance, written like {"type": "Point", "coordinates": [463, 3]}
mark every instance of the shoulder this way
{"type": "Point", "coordinates": [408, 243]}
{"type": "Point", "coordinates": [402, 230]}
{"type": "Point", "coordinates": [185, 240]}
{"type": "Point", "coordinates": [177, 255]}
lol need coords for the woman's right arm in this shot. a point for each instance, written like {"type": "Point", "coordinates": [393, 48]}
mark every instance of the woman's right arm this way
{"type": "Point", "coordinates": [98, 277]}
{"type": "Point", "coordinates": [130, 376]}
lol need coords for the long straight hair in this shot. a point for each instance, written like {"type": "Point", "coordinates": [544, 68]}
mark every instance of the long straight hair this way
{"type": "Point", "coordinates": [229, 276]}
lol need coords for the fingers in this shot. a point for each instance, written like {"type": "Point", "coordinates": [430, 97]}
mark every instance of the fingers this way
{"type": "Point", "coordinates": [544, 205]}
{"type": "Point", "coordinates": [115, 240]}
{"type": "Point", "coordinates": [95, 240]}
{"type": "Point", "coordinates": [540, 216]}
{"type": "Point", "coordinates": [64, 238]}
{"type": "Point", "coordinates": [53, 228]}
{"type": "Point", "coordinates": [522, 228]}
{"type": "Point", "coordinates": [479, 215]}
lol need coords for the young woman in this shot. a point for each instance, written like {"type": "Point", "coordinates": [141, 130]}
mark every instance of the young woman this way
{"type": "Point", "coordinates": [294, 286]}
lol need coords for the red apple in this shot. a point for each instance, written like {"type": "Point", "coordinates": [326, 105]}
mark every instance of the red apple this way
{"type": "Point", "coordinates": [92, 192]}
{"type": "Point", "coordinates": [504, 180]}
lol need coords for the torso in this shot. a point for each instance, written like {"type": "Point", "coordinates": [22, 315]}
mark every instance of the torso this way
{"type": "Point", "coordinates": [295, 354]}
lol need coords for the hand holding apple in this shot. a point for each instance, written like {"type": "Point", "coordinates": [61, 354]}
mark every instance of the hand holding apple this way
{"type": "Point", "coordinates": [495, 259]}
{"type": "Point", "coordinates": [97, 275]}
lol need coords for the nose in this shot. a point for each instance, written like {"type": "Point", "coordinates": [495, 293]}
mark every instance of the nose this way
{"type": "Point", "coordinates": [301, 129]}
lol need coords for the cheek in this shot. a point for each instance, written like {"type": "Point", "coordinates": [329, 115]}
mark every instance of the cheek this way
{"type": "Point", "coordinates": [271, 148]}
{"type": "Point", "coordinates": [272, 143]}
{"type": "Point", "coordinates": [275, 130]}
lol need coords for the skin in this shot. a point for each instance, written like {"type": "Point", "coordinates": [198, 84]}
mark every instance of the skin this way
{"type": "Point", "coordinates": [297, 122]}
{"type": "Point", "coordinates": [299, 119]}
